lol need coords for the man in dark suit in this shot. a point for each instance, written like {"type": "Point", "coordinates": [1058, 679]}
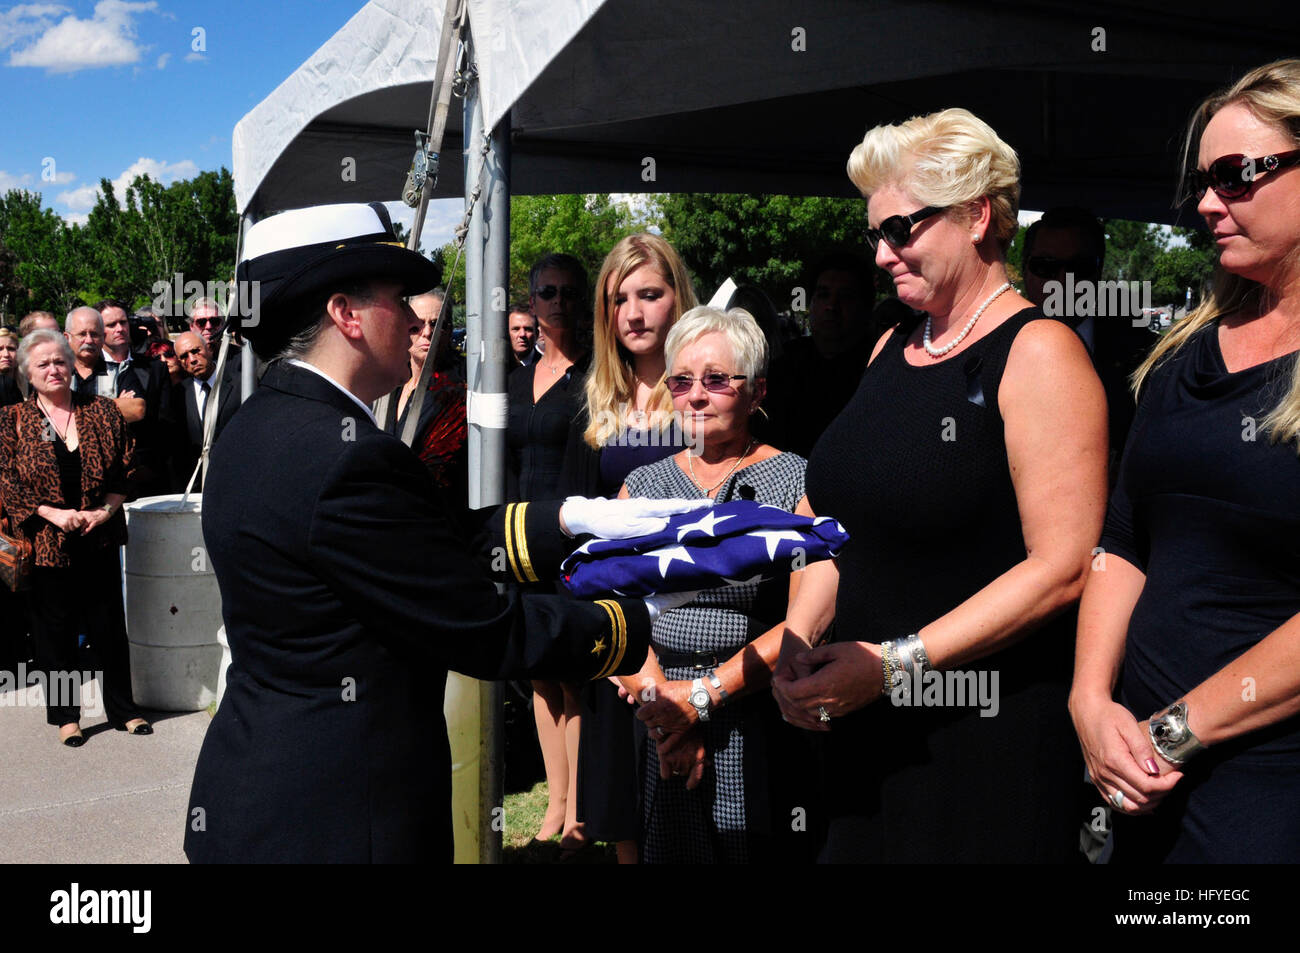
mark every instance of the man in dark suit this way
{"type": "Point", "coordinates": [190, 399]}
{"type": "Point", "coordinates": [105, 366]}
{"type": "Point", "coordinates": [521, 326]}
{"type": "Point", "coordinates": [346, 591]}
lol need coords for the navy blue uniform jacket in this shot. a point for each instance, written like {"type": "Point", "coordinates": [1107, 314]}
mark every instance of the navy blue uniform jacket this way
{"type": "Point", "coordinates": [347, 595]}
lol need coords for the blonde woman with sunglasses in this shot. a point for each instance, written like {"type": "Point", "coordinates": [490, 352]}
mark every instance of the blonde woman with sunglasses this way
{"type": "Point", "coordinates": [970, 473]}
{"type": "Point", "coordinates": [1187, 680]}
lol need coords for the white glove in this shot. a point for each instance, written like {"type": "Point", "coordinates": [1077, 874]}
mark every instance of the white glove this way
{"type": "Point", "coordinates": [621, 519]}
{"type": "Point", "coordinates": [663, 602]}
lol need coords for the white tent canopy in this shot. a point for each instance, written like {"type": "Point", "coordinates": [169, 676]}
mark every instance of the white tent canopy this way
{"type": "Point", "coordinates": [757, 95]}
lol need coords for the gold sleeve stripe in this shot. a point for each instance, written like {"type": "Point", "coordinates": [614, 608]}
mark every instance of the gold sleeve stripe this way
{"type": "Point", "coordinates": [618, 628]}
{"type": "Point", "coordinates": [510, 543]}
{"type": "Point", "coordinates": [521, 541]}
{"type": "Point", "coordinates": [621, 648]}
{"type": "Point", "coordinates": [613, 626]}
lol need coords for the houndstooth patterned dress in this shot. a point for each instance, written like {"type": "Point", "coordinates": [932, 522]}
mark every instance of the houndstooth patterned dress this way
{"type": "Point", "coordinates": [714, 822]}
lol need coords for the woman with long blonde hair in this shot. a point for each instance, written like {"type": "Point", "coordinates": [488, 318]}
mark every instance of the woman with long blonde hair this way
{"type": "Point", "coordinates": [627, 422]}
{"type": "Point", "coordinates": [1186, 690]}
{"type": "Point", "coordinates": [10, 393]}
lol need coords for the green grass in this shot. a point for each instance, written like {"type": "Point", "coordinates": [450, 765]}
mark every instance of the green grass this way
{"type": "Point", "coordinates": [523, 816]}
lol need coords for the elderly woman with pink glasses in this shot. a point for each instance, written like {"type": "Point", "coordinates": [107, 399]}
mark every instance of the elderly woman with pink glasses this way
{"type": "Point", "coordinates": [724, 773]}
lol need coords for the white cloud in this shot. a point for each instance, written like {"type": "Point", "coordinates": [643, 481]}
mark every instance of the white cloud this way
{"type": "Point", "coordinates": [27, 20]}
{"type": "Point", "coordinates": [10, 181]}
{"type": "Point", "coordinates": [83, 199]}
{"type": "Point", "coordinates": [77, 219]}
{"type": "Point", "coordinates": [162, 60]}
{"type": "Point", "coordinates": [194, 57]}
{"type": "Point", "coordinates": [106, 39]}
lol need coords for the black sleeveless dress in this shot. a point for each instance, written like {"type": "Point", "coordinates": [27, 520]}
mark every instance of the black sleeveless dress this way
{"type": "Point", "coordinates": [916, 470]}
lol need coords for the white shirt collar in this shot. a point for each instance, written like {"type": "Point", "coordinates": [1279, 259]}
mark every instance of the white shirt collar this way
{"type": "Point", "coordinates": [353, 397]}
{"type": "Point", "coordinates": [110, 358]}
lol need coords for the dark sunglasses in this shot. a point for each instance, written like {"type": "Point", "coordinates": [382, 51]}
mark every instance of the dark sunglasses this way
{"type": "Point", "coordinates": [897, 229]}
{"type": "Point", "coordinates": [1044, 266]}
{"type": "Point", "coordinates": [1234, 176]}
{"type": "Point", "coordinates": [718, 383]}
{"type": "Point", "coordinates": [566, 292]}
{"type": "Point", "coordinates": [205, 322]}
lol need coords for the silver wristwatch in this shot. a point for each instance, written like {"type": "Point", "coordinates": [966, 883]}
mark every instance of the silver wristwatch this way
{"type": "Point", "coordinates": [700, 699]}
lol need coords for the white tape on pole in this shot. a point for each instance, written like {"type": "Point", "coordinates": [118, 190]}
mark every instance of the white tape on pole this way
{"type": "Point", "coordinates": [486, 410]}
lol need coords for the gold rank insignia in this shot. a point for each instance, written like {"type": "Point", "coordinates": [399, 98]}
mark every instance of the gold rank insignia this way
{"type": "Point", "coordinates": [598, 647]}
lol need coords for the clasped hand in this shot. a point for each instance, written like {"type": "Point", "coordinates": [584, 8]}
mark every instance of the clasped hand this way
{"type": "Point", "coordinates": [1118, 753]}
{"type": "Point", "coordinates": [673, 725]}
{"type": "Point", "coordinates": [79, 521]}
{"type": "Point", "coordinates": [838, 678]}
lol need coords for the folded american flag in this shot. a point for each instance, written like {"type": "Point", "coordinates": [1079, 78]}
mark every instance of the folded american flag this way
{"type": "Point", "coordinates": [731, 543]}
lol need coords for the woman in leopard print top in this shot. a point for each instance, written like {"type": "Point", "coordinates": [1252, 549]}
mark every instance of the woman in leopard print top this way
{"type": "Point", "coordinates": [65, 471]}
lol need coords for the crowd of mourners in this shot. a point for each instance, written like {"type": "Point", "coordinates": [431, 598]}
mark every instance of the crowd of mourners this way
{"type": "Point", "coordinates": [1067, 619]}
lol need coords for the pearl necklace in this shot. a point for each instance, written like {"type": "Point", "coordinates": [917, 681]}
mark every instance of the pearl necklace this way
{"type": "Point", "coordinates": [941, 351]}
{"type": "Point", "coordinates": [690, 465]}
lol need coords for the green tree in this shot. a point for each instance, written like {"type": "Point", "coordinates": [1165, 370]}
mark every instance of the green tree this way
{"type": "Point", "coordinates": [120, 267]}
{"type": "Point", "coordinates": [1131, 250]}
{"type": "Point", "coordinates": [50, 261]}
{"type": "Point", "coordinates": [12, 291]}
{"type": "Point", "coordinates": [187, 228]}
{"type": "Point", "coordinates": [766, 240]}
{"type": "Point", "coordinates": [585, 226]}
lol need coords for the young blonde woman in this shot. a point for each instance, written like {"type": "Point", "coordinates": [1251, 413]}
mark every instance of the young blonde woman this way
{"type": "Point", "coordinates": [626, 422]}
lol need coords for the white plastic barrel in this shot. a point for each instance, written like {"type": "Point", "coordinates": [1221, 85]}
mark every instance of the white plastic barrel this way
{"type": "Point", "coordinates": [173, 606]}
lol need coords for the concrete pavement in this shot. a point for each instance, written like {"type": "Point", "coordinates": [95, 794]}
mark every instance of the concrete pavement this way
{"type": "Point", "coordinates": [118, 799]}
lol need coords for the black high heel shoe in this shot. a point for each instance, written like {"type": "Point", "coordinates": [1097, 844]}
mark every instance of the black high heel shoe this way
{"type": "Point", "coordinates": [75, 740]}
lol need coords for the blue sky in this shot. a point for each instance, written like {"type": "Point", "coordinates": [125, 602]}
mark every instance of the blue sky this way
{"type": "Point", "coordinates": [110, 89]}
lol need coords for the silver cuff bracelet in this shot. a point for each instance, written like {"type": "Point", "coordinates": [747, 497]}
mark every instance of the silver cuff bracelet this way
{"type": "Point", "coordinates": [1170, 736]}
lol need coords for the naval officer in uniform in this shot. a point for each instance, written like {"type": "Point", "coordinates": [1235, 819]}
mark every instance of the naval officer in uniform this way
{"type": "Point", "coordinates": [347, 593]}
